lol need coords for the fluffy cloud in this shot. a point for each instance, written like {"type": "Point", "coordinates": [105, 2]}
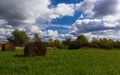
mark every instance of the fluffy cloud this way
{"type": "Point", "coordinates": [86, 25]}
{"type": "Point", "coordinates": [98, 8]}
{"type": "Point", "coordinates": [64, 9]}
{"type": "Point", "coordinates": [95, 28]}
{"type": "Point", "coordinates": [17, 12]}
{"type": "Point", "coordinates": [105, 7]}
{"type": "Point", "coordinates": [22, 11]}
{"type": "Point", "coordinates": [101, 19]}
{"type": "Point", "coordinates": [86, 7]}
{"type": "Point", "coordinates": [29, 15]}
{"type": "Point", "coordinates": [31, 29]}
{"type": "Point", "coordinates": [51, 34]}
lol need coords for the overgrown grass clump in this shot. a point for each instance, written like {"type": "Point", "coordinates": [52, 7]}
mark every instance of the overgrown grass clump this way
{"type": "Point", "coordinates": [61, 62]}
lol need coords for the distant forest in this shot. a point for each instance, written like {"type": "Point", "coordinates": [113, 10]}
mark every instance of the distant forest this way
{"type": "Point", "coordinates": [20, 38]}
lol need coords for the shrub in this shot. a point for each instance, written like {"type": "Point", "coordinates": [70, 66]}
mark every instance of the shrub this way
{"type": "Point", "coordinates": [66, 43]}
{"type": "Point", "coordinates": [116, 44]}
{"type": "Point", "coordinates": [1, 43]}
{"type": "Point", "coordinates": [82, 41]}
{"type": "Point", "coordinates": [35, 49]}
{"type": "Point", "coordinates": [8, 47]}
{"type": "Point", "coordinates": [58, 44]}
{"type": "Point", "coordinates": [74, 45]}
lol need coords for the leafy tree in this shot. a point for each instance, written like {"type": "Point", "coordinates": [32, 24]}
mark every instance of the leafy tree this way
{"type": "Point", "coordinates": [74, 45]}
{"type": "Point", "coordinates": [82, 41]}
{"type": "Point", "coordinates": [37, 38]}
{"type": "Point", "coordinates": [19, 38]}
{"type": "Point", "coordinates": [94, 43]}
{"type": "Point", "coordinates": [106, 43]}
{"type": "Point", "coordinates": [66, 42]}
{"type": "Point", "coordinates": [58, 44]}
{"type": "Point", "coordinates": [45, 43]}
{"type": "Point", "coordinates": [116, 44]}
{"type": "Point", "coordinates": [51, 42]}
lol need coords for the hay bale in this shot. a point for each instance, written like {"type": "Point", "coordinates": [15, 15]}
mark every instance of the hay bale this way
{"type": "Point", "coordinates": [35, 49]}
{"type": "Point", "coordinates": [8, 47]}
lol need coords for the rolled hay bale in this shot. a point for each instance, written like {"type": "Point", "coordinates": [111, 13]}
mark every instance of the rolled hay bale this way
{"type": "Point", "coordinates": [35, 49]}
{"type": "Point", "coordinates": [8, 47]}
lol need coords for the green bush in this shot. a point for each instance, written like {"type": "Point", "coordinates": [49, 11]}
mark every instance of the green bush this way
{"type": "Point", "coordinates": [74, 45]}
{"type": "Point", "coordinates": [58, 44]}
{"type": "Point", "coordinates": [82, 41]}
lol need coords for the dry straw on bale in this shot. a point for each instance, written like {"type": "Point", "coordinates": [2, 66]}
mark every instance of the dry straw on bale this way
{"type": "Point", "coordinates": [8, 47]}
{"type": "Point", "coordinates": [35, 49]}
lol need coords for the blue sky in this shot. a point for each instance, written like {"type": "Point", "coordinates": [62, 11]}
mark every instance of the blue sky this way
{"type": "Point", "coordinates": [61, 18]}
{"type": "Point", "coordinates": [66, 20]}
{"type": "Point", "coordinates": [55, 2]}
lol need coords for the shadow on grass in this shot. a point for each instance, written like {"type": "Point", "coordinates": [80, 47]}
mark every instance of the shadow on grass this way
{"type": "Point", "coordinates": [19, 55]}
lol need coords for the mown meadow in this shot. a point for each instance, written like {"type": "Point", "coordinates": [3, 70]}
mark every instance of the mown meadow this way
{"type": "Point", "coordinates": [62, 62]}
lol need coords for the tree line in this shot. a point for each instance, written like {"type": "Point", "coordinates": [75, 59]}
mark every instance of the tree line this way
{"type": "Point", "coordinates": [20, 38]}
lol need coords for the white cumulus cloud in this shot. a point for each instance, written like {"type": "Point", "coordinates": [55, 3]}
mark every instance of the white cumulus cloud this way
{"type": "Point", "coordinates": [29, 15]}
{"type": "Point", "coordinates": [100, 18]}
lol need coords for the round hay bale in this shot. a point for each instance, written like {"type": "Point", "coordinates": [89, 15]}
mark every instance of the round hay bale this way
{"type": "Point", "coordinates": [8, 47]}
{"type": "Point", "coordinates": [35, 49]}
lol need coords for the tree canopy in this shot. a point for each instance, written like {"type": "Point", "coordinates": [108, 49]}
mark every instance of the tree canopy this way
{"type": "Point", "coordinates": [19, 38]}
{"type": "Point", "coordinates": [37, 38]}
{"type": "Point", "coordinates": [82, 41]}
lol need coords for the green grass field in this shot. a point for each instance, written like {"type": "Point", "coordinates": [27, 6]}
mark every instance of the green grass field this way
{"type": "Point", "coordinates": [62, 62]}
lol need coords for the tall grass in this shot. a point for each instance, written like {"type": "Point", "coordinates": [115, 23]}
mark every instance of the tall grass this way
{"type": "Point", "coordinates": [61, 62]}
